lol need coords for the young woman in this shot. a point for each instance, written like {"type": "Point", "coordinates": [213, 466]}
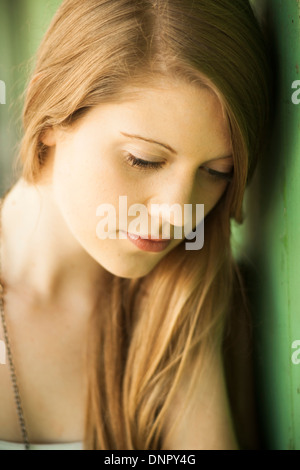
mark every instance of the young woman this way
{"type": "Point", "coordinates": [118, 343]}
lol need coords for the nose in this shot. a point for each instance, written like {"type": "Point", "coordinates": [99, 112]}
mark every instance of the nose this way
{"type": "Point", "coordinates": [174, 202]}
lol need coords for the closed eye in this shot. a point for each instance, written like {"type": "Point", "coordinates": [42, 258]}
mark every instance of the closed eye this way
{"type": "Point", "coordinates": [137, 162]}
{"type": "Point", "coordinates": [219, 174]}
{"type": "Point", "coordinates": [147, 165]}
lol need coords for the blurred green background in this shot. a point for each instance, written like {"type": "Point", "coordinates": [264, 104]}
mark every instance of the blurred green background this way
{"type": "Point", "coordinates": [268, 243]}
{"type": "Point", "coordinates": [22, 26]}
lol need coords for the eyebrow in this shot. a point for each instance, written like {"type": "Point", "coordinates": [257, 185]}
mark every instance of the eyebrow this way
{"type": "Point", "coordinates": [133, 136]}
{"type": "Point", "coordinates": [138, 137]}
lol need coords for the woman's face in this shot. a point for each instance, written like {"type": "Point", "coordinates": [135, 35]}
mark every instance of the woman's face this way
{"type": "Point", "coordinates": [177, 127]}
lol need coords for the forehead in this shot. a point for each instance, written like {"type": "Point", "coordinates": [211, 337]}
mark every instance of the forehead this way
{"type": "Point", "coordinates": [187, 117]}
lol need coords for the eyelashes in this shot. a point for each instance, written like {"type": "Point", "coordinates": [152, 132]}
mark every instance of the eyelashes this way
{"type": "Point", "coordinates": [219, 174]}
{"type": "Point", "coordinates": [137, 162]}
{"type": "Point", "coordinates": [146, 165]}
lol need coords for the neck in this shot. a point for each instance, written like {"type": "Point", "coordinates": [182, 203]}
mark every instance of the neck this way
{"type": "Point", "coordinates": [40, 254]}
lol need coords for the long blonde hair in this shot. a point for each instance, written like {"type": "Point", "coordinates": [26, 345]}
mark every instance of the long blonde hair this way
{"type": "Point", "coordinates": [153, 329]}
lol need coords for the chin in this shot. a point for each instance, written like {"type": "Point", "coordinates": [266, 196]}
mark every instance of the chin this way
{"type": "Point", "coordinates": [126, 271]}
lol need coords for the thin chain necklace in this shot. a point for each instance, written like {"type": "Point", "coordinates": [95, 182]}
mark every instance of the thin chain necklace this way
{"type": "Point", "coordinates": [8, 348]}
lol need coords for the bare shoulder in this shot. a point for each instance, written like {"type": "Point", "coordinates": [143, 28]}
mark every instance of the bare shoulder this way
{"type": "Point", "coordinates": [206, 422]}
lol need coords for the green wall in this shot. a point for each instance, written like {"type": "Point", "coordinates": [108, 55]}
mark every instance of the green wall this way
{"type": "Point", "coordinates": [280, 243]}
{"type": "Point", "coordinates": [270, 243]}
{"type": "Point", "coordinates": [22, 25]}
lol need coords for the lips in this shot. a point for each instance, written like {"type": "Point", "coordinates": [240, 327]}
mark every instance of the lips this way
{"type": "Point", "coordinates": [148, 237]}
{"type": "Point", "coordinates": [147, 244]}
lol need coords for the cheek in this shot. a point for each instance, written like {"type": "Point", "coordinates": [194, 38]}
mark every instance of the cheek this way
{"type": "Point", "coordinates": [80, 174]}
{"type": "Point", "coordinates": [92, 169]}
{"type": "Point", "coordinates": [213, 195]}
{"type": "Point", "coordinates": [74, 183]}
{"type": "Point", "coordinates": [78, 188]}
{"type": "Point", "coordinates": [83, 180]}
